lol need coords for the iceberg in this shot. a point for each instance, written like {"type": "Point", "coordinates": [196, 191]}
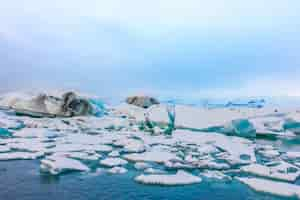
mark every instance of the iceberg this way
{"type": "Point", "coordinates": [142, 101]}
{"type": "Point", "coordinates": [43, 105]}
{"type": "Point", "coordinates": [180, 178]}
{"type": "Point", "coordinates": [240, 127]}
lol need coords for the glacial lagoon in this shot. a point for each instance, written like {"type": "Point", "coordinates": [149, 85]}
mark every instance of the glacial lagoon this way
{"type": "Point", "coordinates": [233, 151]}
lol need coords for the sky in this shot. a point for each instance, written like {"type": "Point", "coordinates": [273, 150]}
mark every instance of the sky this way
{"type": "Point", "coordinates": [216, 48]}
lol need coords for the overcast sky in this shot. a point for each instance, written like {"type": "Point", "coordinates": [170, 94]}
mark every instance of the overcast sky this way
{"type": "Point", "coordinates": [192, 47]}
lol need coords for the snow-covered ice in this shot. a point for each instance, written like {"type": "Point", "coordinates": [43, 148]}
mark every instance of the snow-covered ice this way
{"type": "Point", "coordinates": [272, 187]}
{"type": "Point", "coordinates": [283, 171]}
{"type": "Point", "coordinates": [113, 162]}
{"type": "Point", "coordinates": [59, 164]}
{"type": "Point", "coordinates": [180, 178]}
{"type": "Point", "coordinates": [117, 170]}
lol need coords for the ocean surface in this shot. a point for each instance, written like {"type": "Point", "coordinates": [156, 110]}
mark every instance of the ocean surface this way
{"type": "Point", "coordinates": [22, 180]}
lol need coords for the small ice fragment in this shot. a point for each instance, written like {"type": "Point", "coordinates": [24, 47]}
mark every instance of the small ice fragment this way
{"type": "Point", "coordinates": [154, 171]}
{"type": "Point", "coordinates": [117, 170]}
{"type": "Point", "coordinates": [114, 154]}
{"type": "Point", "coordinates": [113, 162]}
{"type": "Point", "coordinates": [4, 149]}
{"type": "Point", "coordinates": [217, 175]}
{"type": "Point", "coordinates": [152, 156]}
{"type": "Point", "coordinates": [180, 178]}
{"type": "Point", "coordinates": [141, 165]}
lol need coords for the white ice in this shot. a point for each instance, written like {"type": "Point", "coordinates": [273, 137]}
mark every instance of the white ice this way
{"type": "Point", "coordinates": [180, 178]}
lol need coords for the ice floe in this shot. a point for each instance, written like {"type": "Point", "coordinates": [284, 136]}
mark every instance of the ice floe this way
{"type": "Point", "coordinates": [20, 156]}
{"type": "Point", "coordinates": [151, 156]}
{"type": "Point", "coordinates": [113, 162]}
{"type": "Point", "coordinates": [141, 165]}
{"type": "Point", "coordinates": [215, 175]}
{"type": "Point", "coordinates": [180, 178]}
{"type": "Point", "coordinates": [59, 164]}
{"type": "Point", "coordinates": [280, 171]}
{"type": "Point", "coordinates": [272, 187]}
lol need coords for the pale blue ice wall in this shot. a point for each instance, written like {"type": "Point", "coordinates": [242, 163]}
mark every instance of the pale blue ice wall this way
{"type": "Point", "coordinates": [189, 47]}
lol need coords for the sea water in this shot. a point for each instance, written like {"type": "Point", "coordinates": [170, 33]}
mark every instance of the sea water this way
{"type": "Point", "coordinates": [22, 180]}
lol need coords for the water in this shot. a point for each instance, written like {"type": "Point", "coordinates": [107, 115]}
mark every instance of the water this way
{"type": "Point", "coordinates": [22, 180]}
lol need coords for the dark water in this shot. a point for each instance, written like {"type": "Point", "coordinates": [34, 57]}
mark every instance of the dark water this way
{"type": "Point", "coordinates": [22, 180]}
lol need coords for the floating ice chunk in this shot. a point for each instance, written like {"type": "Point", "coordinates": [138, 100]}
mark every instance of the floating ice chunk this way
{"type": "Point", "coordinates": [268, 125]}
{"type": "Point", "coordinates": [216, 175]}
{"type": "Point", "coordinates": [178, 165]}
{"type": "Point", "coordinates": [4, 149]}
{"type": "Point", "coordinates": [130, 145]}
{"type": "Point", "coordinates": [141, 165]}
{"type": "Point", "coordinates": [106, 122]}
{"type": "Point", "coordinates": [292, 155]}
{"type": "Point", "coordinates": [180, 178]}
{"type": "Point", "coordinates": [79, 147]}
{"type": "Point", "coordinates": [79, 155]}
{"type": "Point", "coordinates": [211, 164]}
{"type": "Point", "coordinates": [59, 164]}
{"type": "Point", "coordinates": [134, 147]}
{"type": "Point", "coordinates": [283, 171]}
{"type": "Point", "coordinates": [113, 162]}
{"type": "Point", "coordinates": [20, 156]}
{"type": "Point", "coordinates": [237, 148]}
{"type": "Point", "coordinates": [292, 125]}
{"type": "Point", "coordinates": [269, 153]}
{"type": "Point", "coordinates": [117, 170]}
{"type": "Point", "coordinates": [10, 123]}
{"type": "Point", "coordinates": [151, 156]}
{"type": "Point", "coordinates": [272, 187]}
{"type": "Point", "coordinates": [32, 145]}
{"type": "Point", "coordinates": [114, 154]}
{"type": "Point", "coordinates": [240, 127]}
{"type": "Point", "coordinates": [36, 133]}
{"type": "Point", "coordinates": [154, 171]}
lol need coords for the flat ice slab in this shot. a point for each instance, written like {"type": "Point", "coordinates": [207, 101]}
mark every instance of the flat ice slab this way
{"type": "Point", "coordinates": [272, 187]}
{"type": "Point", "coordinates": [180, 178]}
{"type": "Point", "coordinates": [20, 156]}
{"type": "Point", "coordinates": [59, 164]}
{"type": "Point", "coordinates": [284, 171]}
{"type": "Point", "coordinates": [113, 162]}
{"type": "Point", "coordinates": [152, 156]}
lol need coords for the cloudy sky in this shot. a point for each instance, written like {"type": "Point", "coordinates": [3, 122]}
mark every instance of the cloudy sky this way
{"type": "Point", "coordinates": [190, 48]}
